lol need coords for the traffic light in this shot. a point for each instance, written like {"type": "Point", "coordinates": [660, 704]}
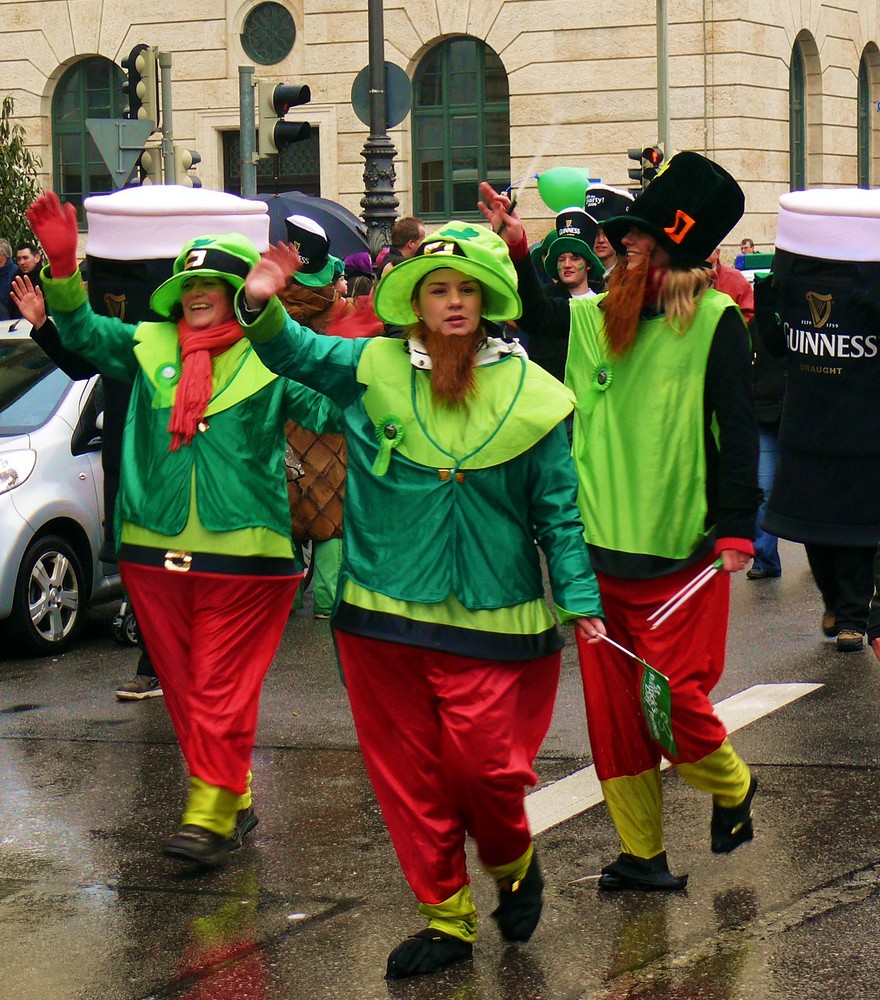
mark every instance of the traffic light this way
{"type": "Point", "coordinates": [150, 166]}
{"type": "Point", "coordinates": [652, 157]}
{"type": "Point", "coordinates": [635, 173]}
{"type": "Point", "coordinates": [274, 100]}
{"type": "Point", "coordinates": [147, 65]}
{"type": "Point", "coordinates": [130, 87]}
{"type": "Point", "coordinates": [184, 160]}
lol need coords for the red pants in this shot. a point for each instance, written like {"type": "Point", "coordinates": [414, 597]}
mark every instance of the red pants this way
{"type": "Point", "coordinates": [211, 638]}
{"type": "Point", "coordinates": [688, 648]}
{"type": "Point", "coordinates": [448, 743]}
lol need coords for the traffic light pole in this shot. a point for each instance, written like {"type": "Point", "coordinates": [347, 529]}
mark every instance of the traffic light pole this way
{"type": "Point", "coordinates": [247, 139]}
{"type": "Point", "coordinates": [167, 128]}
{"type": "Point", "coordinates": [663, 76]}
{"type": "Point", "coordinates": [379, 203]}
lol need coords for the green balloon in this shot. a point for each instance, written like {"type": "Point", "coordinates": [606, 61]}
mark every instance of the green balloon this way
{"type": "Point", "coordinates": [563, 187]}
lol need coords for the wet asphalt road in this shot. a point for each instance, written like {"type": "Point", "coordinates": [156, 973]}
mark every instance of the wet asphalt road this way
{"type": "Point", "coordinates": [310, 907]}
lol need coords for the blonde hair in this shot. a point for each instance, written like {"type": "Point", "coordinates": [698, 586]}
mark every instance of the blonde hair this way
{"type": "Point", "coordinates": [680, 294]}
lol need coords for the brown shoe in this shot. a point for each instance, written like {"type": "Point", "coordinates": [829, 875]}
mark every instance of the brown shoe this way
{"type": "Point", "coordinates": [139, 687]}
{"type": "Point", "coordinates": [849, 640]}
{"type": "Point", "coordinates": [829, 624]}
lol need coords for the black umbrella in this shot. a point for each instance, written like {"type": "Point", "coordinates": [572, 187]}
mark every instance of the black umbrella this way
{"type": "Point", "coordinates": [346, 232]}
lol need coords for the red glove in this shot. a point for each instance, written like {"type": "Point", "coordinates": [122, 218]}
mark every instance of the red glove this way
{"type": "Point", "coordinates": [56, 227]}
{"type": "Point", "coordinates": [358, 322]}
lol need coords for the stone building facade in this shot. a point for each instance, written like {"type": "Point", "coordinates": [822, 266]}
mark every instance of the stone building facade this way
{"type": "Point", "coordinates": [782, 94]}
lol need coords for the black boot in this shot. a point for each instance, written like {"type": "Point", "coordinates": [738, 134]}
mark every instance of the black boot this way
{"type": "Point", "coordinates": [198, 846]}
{"type": "Point", "coordinates": [427, 951]}
{"type": "Point", "coordinates": [519, 904]}
{"type": "Point", "coordinates": [245, 821]}
{"type": "Point", "coordinates": [641, 874]}
{"type": "Point", "coordinates": [732, 827]}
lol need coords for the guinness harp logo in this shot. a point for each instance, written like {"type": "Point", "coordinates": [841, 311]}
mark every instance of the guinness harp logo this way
{"type": "Point", "coordinates": [115, 305]}
{"type": "Point", "coordinates": [820, 308]}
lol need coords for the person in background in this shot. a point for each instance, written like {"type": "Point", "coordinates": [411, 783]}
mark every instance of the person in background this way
{"type": "Point", "coordinates": [747, 246]}
{"type": "Point", "coordinates": [359, 274]}
{"type": "Point", "coordinates": [406, 237]}
{"type": "Point", "coordinates": [769, 373]}
{"type": "Point", "coordinates": [203, 522]}
{"type": "Point", "coordinates": [8, 271]}
{"type": "Point", "coordinates": [316, 462]}
{"type": "Point", "coordinates": [733, 283]}
{"type": "Point", "coordinates": [457, 464]}
{"type": "Point", "coordinates": [602, 203]}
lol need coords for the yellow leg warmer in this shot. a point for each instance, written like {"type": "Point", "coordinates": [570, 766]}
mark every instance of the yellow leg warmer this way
{"type": "Point", "coordinates": [635, 803]}
{"type": "Point", "coordinates": [724, 774]}
{"type": "Point", "coordinates": [456, 916]}
{"type": "Point", "coordinates": [515, 871]}
{"type": "Point", "coordinates": [212, 807]}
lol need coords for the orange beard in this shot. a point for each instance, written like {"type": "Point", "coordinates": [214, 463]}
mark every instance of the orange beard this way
{"type": "Point", "coordinates": [452, 365]}
{"type": "Point", "coordinates": [623, 304]}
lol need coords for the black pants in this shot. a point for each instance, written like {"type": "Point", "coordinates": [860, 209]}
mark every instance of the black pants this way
{"type": "Point", "coordinates": [845, 576]}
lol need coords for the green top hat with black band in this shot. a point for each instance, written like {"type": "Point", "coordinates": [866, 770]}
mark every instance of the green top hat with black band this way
{"type": "Point", "coordinates": [688, 208]}
{"type": "Point", "coordinates": [471, 249]}
{"type": "Point", "coordinates": [229, 257]}
{"type": "Point", "coordinates": [575, 233]}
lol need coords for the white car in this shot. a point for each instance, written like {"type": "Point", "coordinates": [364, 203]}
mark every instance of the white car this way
{"type": "Point", "coordinates": [51, 498]}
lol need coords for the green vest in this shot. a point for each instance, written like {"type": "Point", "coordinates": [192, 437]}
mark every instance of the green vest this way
{"type": "Point", "coordinates": [244, 431]}
{"type": "Point", "coordinates": [638, 432]}
{"type": "Point", "coordinates": [457, 496]}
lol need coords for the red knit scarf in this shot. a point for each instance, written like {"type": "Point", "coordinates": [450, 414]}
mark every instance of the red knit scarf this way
{"type": "Point", "coordinates": [194, 389]}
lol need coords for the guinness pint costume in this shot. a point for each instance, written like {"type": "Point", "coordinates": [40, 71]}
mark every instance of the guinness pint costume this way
{"type": "Point", "coordinates": [824, 317]}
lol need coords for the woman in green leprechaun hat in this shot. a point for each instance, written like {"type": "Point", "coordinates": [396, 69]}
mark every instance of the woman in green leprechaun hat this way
{"type": "Point", "coordinates": [457, 463]}
{"type": "Point", "coordinates": [202, 515]}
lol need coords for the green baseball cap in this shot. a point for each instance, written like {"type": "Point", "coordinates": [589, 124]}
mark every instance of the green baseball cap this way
{"type": "Point", "coordinates": [229, 257]}
{"type": "Point", "coordinates": [475, 251]}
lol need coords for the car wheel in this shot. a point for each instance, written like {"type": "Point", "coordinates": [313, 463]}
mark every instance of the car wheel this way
{"type": "Point", "coordinates": [49, 599]}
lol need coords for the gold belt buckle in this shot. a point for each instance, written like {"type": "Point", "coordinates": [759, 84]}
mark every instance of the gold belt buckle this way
{"type": "Point", "coordinates": [178, 562]}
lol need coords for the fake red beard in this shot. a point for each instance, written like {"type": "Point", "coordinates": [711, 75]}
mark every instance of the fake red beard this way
{"type": "Point", "coordinates": [623, 304]}
{"type": "Point", "coordinates": [630, 293]}
{"type": "Point", "coordinates": [452, 365]}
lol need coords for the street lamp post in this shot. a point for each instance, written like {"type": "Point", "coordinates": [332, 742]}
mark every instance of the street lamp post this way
{"type": "Point", "coordinates": [379, 203]}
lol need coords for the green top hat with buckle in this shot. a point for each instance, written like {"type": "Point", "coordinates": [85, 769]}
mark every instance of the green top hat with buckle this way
{"type": "Point", "coordinates": [471, 249]}
{"type": "Point", "coordinates": [229, 257]}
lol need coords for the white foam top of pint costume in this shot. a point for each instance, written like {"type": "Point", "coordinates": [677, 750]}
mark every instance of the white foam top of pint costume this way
{"type": "Point", "coordinates": [156, 220]}
{"type": "Point", "coordinates": [830, 223]}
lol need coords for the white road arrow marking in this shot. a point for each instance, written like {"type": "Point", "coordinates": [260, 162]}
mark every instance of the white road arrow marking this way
{"type": "Point", "coordinates": [580, 791]}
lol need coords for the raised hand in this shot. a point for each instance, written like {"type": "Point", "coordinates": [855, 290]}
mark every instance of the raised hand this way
{"type": "Point", "coordinates": [269, 275]}
{"type": "Point", "coordinates": [29, 300]}
{"type": "Point", "coordinates": [498, 209]}
{"type": "Point", "coordinates": [56, 227]}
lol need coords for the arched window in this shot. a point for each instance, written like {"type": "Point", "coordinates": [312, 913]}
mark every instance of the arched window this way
{"type": "Point", "coordinates": [461, 128]}
{"type": "Point", "coordinates": [867, 121]}
{"type": "Point", "coordinates": [797, 120]}
{"type": "Point", "coordinates": [90, 89]}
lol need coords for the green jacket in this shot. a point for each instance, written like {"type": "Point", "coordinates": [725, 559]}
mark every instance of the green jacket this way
{"type": "Point", "coordinates": [466, 493]}
{"type": "Point", "coordinates": [237, 464]}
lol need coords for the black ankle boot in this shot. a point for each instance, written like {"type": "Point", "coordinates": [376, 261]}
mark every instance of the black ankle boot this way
{"type": "Point", "coordinates": [732, 827]}
{"type": "Point", "coordinates": [425, 952]}
{"type": "Point", "coordinates": [197, 846]}
{"type": "Point", "coordinates": [640, 874]}
{"type": "Point", "coordinates": [519, 904]}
